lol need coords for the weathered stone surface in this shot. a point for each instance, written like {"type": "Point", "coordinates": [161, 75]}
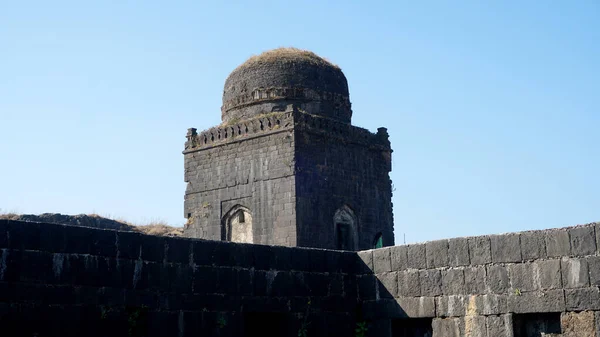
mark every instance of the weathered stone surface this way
{"type": "Point", "coordinates": [497, 279]}
{"type": "Point", "coordinates": [382, 260]}
{"type": "Point", "coordinates": [500, 326]}
{"type": "Point", "coordinates": [365, 262]}
{"type": "Point", "coordinates": [583, 240]}
{"type": "Point", "coordinates": [473, 326]}
{"type": "Point", "coordinates": [399, 258]}
{"type": "Point", "coordinates": [582, 299]}
{"type": "Point", "coordinates": [549, 274]}
{"type": "Point", "coordinates": [453, 281]}
{"type": "Point", "coordinates": [480, 250]}
{"type": "Point", "coordinates": [388, 284]}
{"type": "Point", "coordinates": [475, 280]}
{"type": "Point", "coordinates": [522, 277]}
{"type": "Point", "coordinates": [431, 282]}
{"type": "Point", "coordinates": [557, 243]}
{"type": "Point", "coordinates": [597, 229]}
{"type": "Point", "coordinates": [458, 252]}
{"type": "Point", "coordinates": [437, 253]}
{"type": "Point", "coordinates": [574, 272]}
{"type": "Point", "coordinates": [417, 306]}
{"type": "Point", "coordinates": [537, 301]}
{"type": "Point", "coordinates": [409, 283]}
{"type": "Point", "coordinates": [451, 306]}
{"type": "Point", "coordinates": [578, 324]}
{"type": "Point", "coordinates": [490, 304]}
{"type": "Point", "coordinates": [506, 248]}
{"type": "Point", "coordinates": [597, 317]}
{"type": "Point", "coordinates": [446, 327]}
{"type": "Point", "coordinates": [594, 268]}
{"type": "Point", "coordinates": [533, 245]}
{"type": "Point", "coordinates": [416, 256]}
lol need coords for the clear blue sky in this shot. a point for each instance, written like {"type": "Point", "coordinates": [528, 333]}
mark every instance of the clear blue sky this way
{"type": "Point", "coordinates": [493, 107]}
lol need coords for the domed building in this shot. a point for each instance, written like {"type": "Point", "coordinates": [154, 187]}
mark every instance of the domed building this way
{"type": "Point", "coordinates": [286, 166]}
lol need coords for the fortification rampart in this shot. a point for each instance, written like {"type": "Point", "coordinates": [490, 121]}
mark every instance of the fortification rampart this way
{"type": "Point", "coordinates": [517, 284]}
{"type": "Point", "coordinates": [58, 280]}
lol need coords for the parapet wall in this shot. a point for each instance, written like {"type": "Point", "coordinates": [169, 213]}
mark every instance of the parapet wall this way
{"type": "Point", "coordinates": [517, 284]}
{"type": "Point", "coordinates": [58, 280]}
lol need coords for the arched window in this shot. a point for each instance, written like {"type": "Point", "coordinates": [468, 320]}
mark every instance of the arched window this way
{"type": "Point", "coordinates": [237, 225]}
{"type": "Point", "coordinates": [378, 242]}
{"type": "Point", "coordinates": [345, 230]}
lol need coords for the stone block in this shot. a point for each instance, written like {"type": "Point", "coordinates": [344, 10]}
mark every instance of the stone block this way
{"type": "Point", "coordinates": [382, 260]}
{"type": "Point", "coordinates": [152, 248]}
{"type": "Point", "coordinates": [480, 250]}
{"type": "Point", "coordinates": [300, 261]}
{"type": "Point", "coordinates": [578, 324]}
{"type": "Point", "coordinates": [548, 274]}
{"type": "Point", "coordinates": [497, 279]}
{"type": "Point", "coordinates": [446, 327]}
{"type": "Point", "coordinates": [451, 306]}
{"type": "Point", "coordinates": [453, 282]}
{"type": "Point", "coordinates": [500, 326]}
{"type": "Point", "coordinates": [366, 287]}
{"type": "Point", "coordinates": [365, 262]}
{"type": "Point", "coordinates": [475, 280]}
{"type": "Point", "coordinates": [431, 282]}
{"type": "Point", "coordinates": [458, 252]}
{"type": "Point", "coordinates": [597, 316]}
{"type": "Point", "coordinates": [388, 284]}
{"type": "Point", "coordinates": [53, 238]}
{"type": "Point", "coordinates": [3, 233]}
{"type": "Point", "coordinates": [473, 326]}
{"type": "Point", "coordinates": [416, 256]}
{"type": "Point", "coordinates": [582, 299]}
{"type": "Point", "coordinates": [583, 240]}
{"type": "Point", "coordinates": [408, 283]}
{"type": "Point", "coordinates": [399, 258]}
{"type": "Point", "coordinates": [417, 306]}
{"type": "Point", "coordinates": [437, 253]}
{"type": "Point", "coordinates": [533, 245]}
{"type": "Point", "coordinates": [597, 230]}
{"type": "Point", "coordinates": [557, 243]}
{"type": "Point", "coordinates": [491, 304]}
{"type": "Point", "coordinates": [574, 272]}
{"type": "Point", "coordinates": [537, 301]}
{"type": "Point", "coordinates": [594, 268]}
{"type": "Point", "coordinates": [506, 248]}
{"type": "Point", "coordinates": [179, 250]}
{"type": "Point", "coordinates": [522, 277]}
{"type": "Point", "coordinates": [316, 258]}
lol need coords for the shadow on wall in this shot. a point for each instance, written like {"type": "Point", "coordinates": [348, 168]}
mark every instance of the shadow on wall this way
{"type": "Point", "coordinates": [382, 312]}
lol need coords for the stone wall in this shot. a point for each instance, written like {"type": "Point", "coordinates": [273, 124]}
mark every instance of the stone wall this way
{"type": "Point", "coordinates": [519, 284]}
{"type": "Point", "coordinates": [292, 171]}
{"type": "Point", "coordinates": [250, 164]}
{"type": "Point", "coordinates": [342, 165]}
{"type": "Point", "coordinates": [58, 280]}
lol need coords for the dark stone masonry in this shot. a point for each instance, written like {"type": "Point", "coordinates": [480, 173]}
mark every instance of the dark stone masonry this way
{"type": "Point", "coordinates": [61, 280]}
{"type": "Point", "coordinates": [287, 161]}
{"type": "Point", "coordinates": [290, 233]}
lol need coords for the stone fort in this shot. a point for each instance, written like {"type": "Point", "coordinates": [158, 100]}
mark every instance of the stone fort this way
{"type": "Point", "coordinates": [290, 233]}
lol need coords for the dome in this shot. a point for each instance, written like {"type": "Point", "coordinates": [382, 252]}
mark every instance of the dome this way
{"type": "Point", "coordinates": [282, 79]}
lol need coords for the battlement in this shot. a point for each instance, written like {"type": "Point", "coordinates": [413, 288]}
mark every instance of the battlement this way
{"type": "Point", "coordinates": [243, 130]}
{"type": "Point", "coordinates": [349, 133]}
{"type": "Point", "coordinates": [279, 121]}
